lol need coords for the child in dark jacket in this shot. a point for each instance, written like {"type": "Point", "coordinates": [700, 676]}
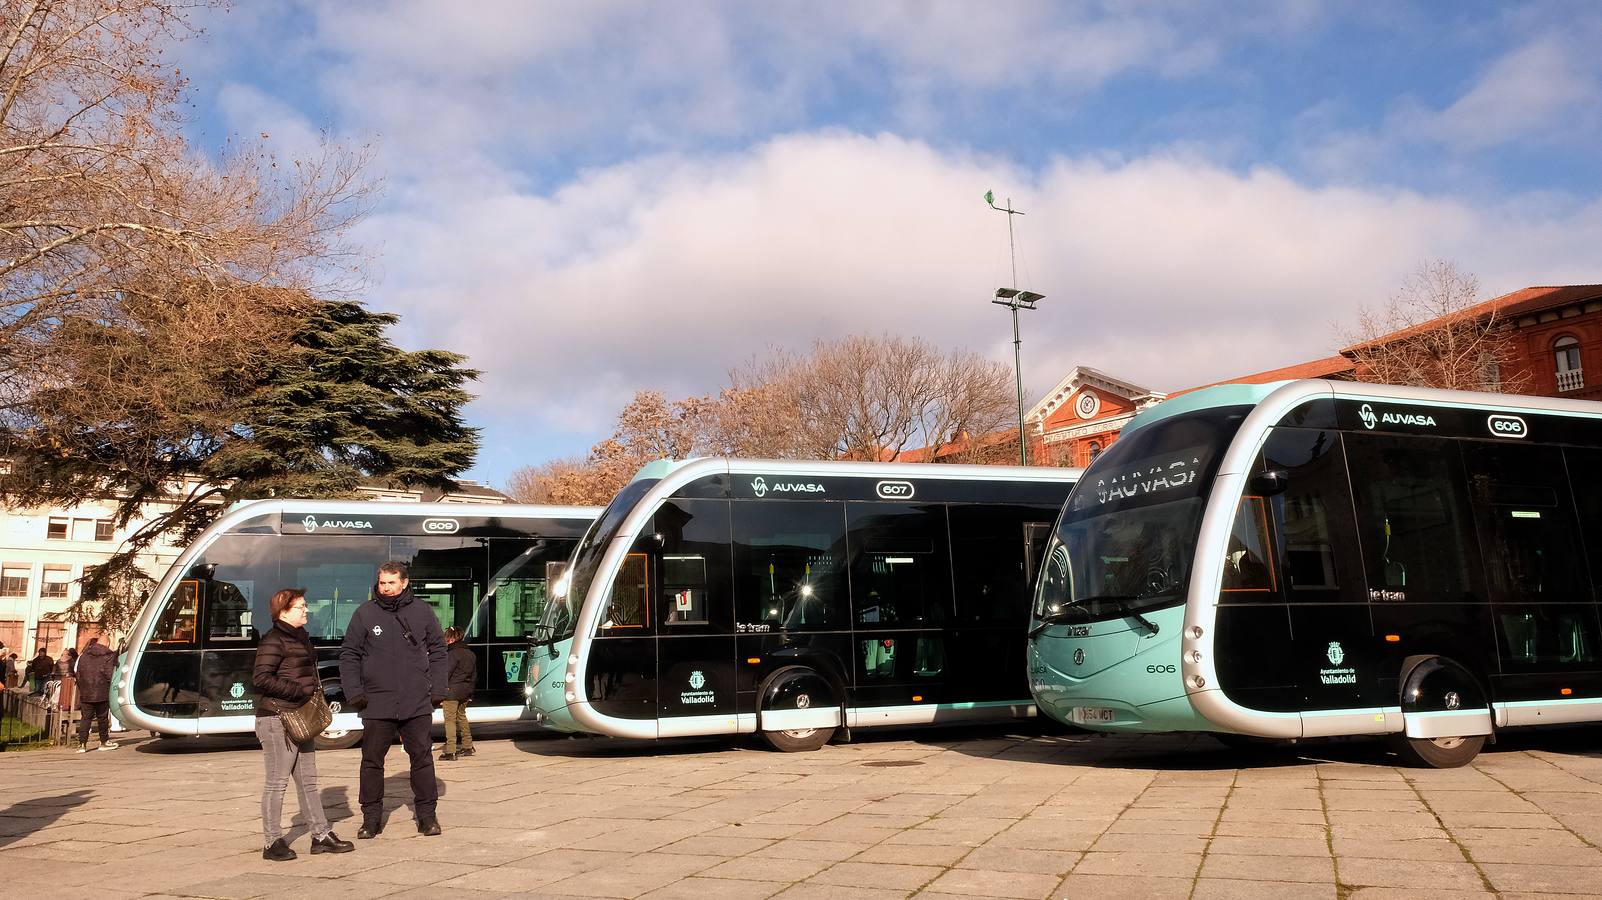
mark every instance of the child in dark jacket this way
{"type": "Point", "coordinates": [463, 673]}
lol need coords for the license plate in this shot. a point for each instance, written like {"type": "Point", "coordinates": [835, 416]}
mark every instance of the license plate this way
{"type": "Point", "coordinates": [1093, 715]}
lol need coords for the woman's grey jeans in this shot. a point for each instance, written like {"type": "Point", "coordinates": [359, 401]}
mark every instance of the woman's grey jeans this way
{"type": "Point", "coordinates": [285, 760]}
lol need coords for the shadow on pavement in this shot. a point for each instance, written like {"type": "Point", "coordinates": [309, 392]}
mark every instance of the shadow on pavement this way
{"type": "Point", "coordinates": [22, 819]}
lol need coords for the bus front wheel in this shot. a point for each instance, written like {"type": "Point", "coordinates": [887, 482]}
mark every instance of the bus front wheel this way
{"type": "Point", "coordinates": [797, 688]}
{"type": "Point", "coordinates": [1438, 753]}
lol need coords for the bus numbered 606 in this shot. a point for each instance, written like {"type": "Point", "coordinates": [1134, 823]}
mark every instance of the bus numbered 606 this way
{"type": "Point", "coordinates": [791, 599]}
{"type": "Point", "coordinates": [484, 569]}
{"type": "Point", "coordinates": [1317, 558]}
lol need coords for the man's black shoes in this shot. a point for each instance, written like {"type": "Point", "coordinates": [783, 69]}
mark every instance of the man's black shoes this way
{"type": "Point", "coordinates": [278, 851]}
{"type": "Point", "coordinates": [330, 843]}
{"type": "Point", "coordinates": [370, 829]}
{"type": "Point", "coordinates": [462, 754]}
{"type": "Point", "coordinates": [448, 757]}
{"type": "Point", "coordinates": [428, 827]}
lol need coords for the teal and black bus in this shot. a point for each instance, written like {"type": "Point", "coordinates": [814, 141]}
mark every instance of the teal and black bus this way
{"type": "Point", "coordinates": [791, 599]}
{"type": "Point", "coordinates": [1317, 558]}
{"type": "Point", "coordinates": [485, 569]}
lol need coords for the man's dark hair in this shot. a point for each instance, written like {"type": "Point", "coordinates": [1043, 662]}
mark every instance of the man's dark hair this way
{"type": "Point", "coordinates": [396, 567]}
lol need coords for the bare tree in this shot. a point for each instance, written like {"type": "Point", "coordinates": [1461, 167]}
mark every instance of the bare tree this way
{"type": "Point", "coordinates": [864, 397]}
{"type": "Point", "coordinates": [1433, 333]}
{"type": "Point", "coordinates": [102, 203]}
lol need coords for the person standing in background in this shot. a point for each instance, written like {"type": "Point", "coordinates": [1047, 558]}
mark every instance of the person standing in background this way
{"type": "Point", "coordinates": [463, 673]}
{"type": "Point", "coordinates": [95, 669]}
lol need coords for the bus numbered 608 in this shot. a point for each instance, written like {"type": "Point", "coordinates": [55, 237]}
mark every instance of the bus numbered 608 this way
{"type": "Point", "coordinates": [484, 569]}
{"type": "Point", "coordinates": [1319, 558]}
{"type": "Point", "coordinates": [790, 599]}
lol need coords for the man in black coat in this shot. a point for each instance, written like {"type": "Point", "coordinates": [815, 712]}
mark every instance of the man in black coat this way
{"type": "Point", "coordinates": [96, 667]}
{"type": "Point", "coordinates": [392, 669]}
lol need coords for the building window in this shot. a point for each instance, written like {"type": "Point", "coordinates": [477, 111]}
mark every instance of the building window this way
{"type": "Point", "coordinates": [58, 528]}
{"type": "Point", "coordinates": [1566, 356]}
{"type": "Point", "coordinates": [104, 530]}
{"type": "Point", "coordinates": [56, 580]}
{"type": "Point", "coordinates": [14, 581]}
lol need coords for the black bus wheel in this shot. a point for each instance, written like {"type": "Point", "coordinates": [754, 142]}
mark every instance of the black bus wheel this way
{"type": "Point", "coordinates": [798, 741]}
{"type": "Point", "coordinates": [1438, 753]}
{"type": "Point", "coordinates": [797, 687]}
{"type": "Point", "coordinates": [337, 738]}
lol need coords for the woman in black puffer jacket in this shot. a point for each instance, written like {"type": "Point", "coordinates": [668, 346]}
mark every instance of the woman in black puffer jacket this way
{"type": "Point", "coordinates": [286, 677]}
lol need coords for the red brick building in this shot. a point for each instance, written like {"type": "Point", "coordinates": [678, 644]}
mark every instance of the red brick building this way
{"type": "Point", "coordinates": [1557, 340]}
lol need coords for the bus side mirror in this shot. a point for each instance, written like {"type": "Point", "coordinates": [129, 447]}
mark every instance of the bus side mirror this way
{"type": "Point", "coordinates": [541, 634]}
{"type": "Point", "coordinates": [1270, 483]}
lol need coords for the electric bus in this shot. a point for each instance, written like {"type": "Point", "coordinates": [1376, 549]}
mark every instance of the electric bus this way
{"type": "Point", "coordinates": [484, 569]}
{"type": "Point", "coordinates": [1317, 558]}
{"type": "Point", "coordinates": [791, 599]}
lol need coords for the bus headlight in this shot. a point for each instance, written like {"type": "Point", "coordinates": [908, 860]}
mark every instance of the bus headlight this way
{"type": "Point", "coordinates": [1198, 681]}
{"type": "Point", "coordinates": [1195, 632]}
{"type": "Point", "coordinates": [571, 696]}
{"type": "Point", "coordinates": [528, 691]}
{"type": "Point", "coordinates": [571, 678]}
{"type": "Point", "coordinates": [572, 659]}
{"type": "Point", "coordinates": [1195, 656]}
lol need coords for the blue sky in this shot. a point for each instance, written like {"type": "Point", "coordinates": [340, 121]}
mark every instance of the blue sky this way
{"type": "Point", "coordinates": [595, 198]}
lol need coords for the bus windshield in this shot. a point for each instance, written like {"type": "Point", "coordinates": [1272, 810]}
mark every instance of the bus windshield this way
{"type": "Point", "coordinates": [560, 618]}
{"type": "Point", "coordinates": [1127, 536]}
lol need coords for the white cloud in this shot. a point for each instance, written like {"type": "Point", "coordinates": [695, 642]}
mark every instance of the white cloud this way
{"type": "Point", "coordinates": [664, 273]}
{"type": "Point", "coordinates": [1521, 97]}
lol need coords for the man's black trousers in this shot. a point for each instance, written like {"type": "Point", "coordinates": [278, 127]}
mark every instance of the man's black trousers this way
{"type": "Point", "coordinates": [414, 735]}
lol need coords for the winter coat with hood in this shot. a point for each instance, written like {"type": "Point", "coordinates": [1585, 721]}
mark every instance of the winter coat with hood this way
{"type": "Point", "coordinates": [96, 664]}
{"type": "Point", "coordinates": [285, 676]}
{"type": "Point", "coordinates": [392, 663]}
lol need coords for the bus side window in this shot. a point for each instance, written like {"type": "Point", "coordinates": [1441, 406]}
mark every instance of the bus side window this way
{"type": "Point", "coordinates": [177, 622]}
{"type": "Point", "coordinates": [1316, 536]}
{"type": "Point", "coordinates": [227, 612]}
{"type": "Point", "coordinates": [1248, 566]}
{"type": "Point", "coordinates": [630, 594]}
{"type": "Point", "coordinates": [1412, 516]}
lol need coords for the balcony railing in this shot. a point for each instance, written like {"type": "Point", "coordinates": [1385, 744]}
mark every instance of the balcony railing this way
{"type": "Point", "coordinates": [1571, 379]}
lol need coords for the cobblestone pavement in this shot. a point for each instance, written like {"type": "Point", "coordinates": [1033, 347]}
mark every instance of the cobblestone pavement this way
{"type": "Point", "coordinates": [990, 813]}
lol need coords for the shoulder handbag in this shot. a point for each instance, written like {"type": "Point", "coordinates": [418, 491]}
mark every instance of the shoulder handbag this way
{"type": "Point", "coordinates": [307, 720]}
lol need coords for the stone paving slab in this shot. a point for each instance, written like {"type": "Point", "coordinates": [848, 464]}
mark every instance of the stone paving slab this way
{"type": "Point", "coordinates": [1006, 812]}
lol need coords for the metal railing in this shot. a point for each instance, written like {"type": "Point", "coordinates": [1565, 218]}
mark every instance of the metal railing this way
{"type": "Point", "coordinates": [1570, 379]}
{"type": "Point", "coordinates": [28, 720]}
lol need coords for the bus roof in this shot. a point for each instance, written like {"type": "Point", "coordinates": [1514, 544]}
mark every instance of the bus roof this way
{"type": "Point", "coordinates": [1297, 391]}
{"type": "Point", "coordinates": [1206, 398]}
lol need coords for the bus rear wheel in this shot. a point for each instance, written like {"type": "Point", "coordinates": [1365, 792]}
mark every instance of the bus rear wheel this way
{"type": "Point", "coordinates": [1438, 753]}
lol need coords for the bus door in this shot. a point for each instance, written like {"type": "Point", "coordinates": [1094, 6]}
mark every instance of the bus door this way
{"type": "Point", "coordinates": [688, 571]}
{"type": "Point", "coordinates": [1291, 564]}
{"type": "Point", "coordinates": [229, 632]}
{"type": "Point", "coordinates": [1542, 605]}
{"type": "Point", "coordinates": [901, 600]}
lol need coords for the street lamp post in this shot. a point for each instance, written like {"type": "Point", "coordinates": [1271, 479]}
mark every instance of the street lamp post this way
{"type": "Point", "coordinates": [1014, 299]}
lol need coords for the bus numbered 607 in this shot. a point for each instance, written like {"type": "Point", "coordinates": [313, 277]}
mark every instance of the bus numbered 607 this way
{"type": "Point", "coordinates": [1315, 558]}
{"type": "Point", "coordinates": [791, 599]}
{"type": "Point", "coordinates": [484, 569]}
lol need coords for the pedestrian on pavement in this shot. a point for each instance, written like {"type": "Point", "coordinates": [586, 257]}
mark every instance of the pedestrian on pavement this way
{"type": "Point", "coordinates": [392, 667]}
{"type": "Point", "coordinates": [285, 677]}
{"type": "Point", "coordinates": [11, 671]}
{"type": "Point", "coordinates": [95, 668]}
{"type": "Point", "coordinates": [41, 667]}
{"type": "Point", "coordinates": [463, 673]}
{"type": "Point", "coordinates": [66, 678]}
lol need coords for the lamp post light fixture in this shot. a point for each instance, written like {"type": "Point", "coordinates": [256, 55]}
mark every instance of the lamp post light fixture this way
{"type": "Point", "coordinates": [1014, 299]}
